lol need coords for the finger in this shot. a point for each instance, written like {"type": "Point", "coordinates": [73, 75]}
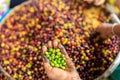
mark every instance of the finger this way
{"type": "Point", "coordinates": [55, 44]}
{"type": "Point", "coordinates": [99, 2]}
{"type": "Point", "coordinates": [45, 58]}
{"type": "Point", "coordinates": [49, 44]}
{"type": "Point", "coordinates": [69, 62]}
{"type": "Point", "coordinates": [98, 29]}
{"type": "Point", "coordinates": [117, 3]}
{"type": "Point", "coordinates": [104, 36]}
{"type": "Point", "coordinates": [44, 49]}
{"type": "Point", "coordinates": [63, 50]}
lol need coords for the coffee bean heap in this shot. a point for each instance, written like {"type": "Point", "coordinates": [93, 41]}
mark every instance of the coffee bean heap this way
{"type": "Point", "coordinates": [71, 23]}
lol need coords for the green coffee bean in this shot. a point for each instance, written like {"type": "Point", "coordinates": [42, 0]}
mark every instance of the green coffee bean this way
{"type": "Point", "coordinates": [47, 55]}
{"type": "Point", "coordinates": [63, 67]}
{"type": "Point", "coordinates": [52, 64]}
{"type": "Point", "coordinates": [53, 55]}
{"type": "Point", "coordinates": [50, 58]}
{"type": "Point", "coordinates": [64, 58]}
{"type": "Point", "coordinates": [53, 51]}
{"type": "Point", "coordinates": [50, 50]}
{"type": "Point", "coordinates": [64, 64]}
{"type": "Point", "coordinates": [56, 56]}
{"type": "Point", "coordinates": [55, 62]}
{"type": "Point", "coordinates": [62, 61]}
{"type": "Point", "coordinates": [59, 53]}
{"type": "Point", "coordinates": [58, 61]}
{"type": "Point", "coordinates": [57, 65]}
{"type": "Point", "coordinates": [57, 50]}
{"type": "Point", "coordinates": [60, 65]}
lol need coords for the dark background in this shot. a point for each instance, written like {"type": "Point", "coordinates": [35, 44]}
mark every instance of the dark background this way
{"type": "Point", "coordinates": [14, 3]}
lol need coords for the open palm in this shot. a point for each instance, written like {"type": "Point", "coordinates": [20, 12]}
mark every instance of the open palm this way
{"type": "Point", "coordinates": [69, 73]}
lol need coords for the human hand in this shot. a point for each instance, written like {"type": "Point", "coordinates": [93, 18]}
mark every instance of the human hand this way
{"type": "Point", "coordinates": [53, 73]}
{"type": "Point", "coordinates": [117, 2]}
{"type": "Point", "coordinates": [96, 2]}
{"type": "Point", "coordinates": [105, 30]}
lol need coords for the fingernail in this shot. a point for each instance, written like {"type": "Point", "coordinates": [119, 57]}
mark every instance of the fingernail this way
{"type": "Point", "coordinates": [61, 47]}
{"type": "Point", "coordinates": [55, 44]}
{"type": "Point", "coordinates": [49, 44]}
{"type": "Point", "coordinates": [44, 49]}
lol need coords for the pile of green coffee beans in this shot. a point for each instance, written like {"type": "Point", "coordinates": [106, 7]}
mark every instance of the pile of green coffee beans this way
{"type": "Point", "coordinates": [56, 58]}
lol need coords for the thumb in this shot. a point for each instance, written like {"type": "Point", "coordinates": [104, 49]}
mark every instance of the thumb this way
{"type": "Point", "coordinates": [47, 67]}
{"type": "Point", "coordinates": [99, 2]}
{"type": "Point", "coordinates": [69, 62]}
{"type": "Point", "coordinates": [45, 60]}
{"type": "Point", "coordinates": [98, 29]}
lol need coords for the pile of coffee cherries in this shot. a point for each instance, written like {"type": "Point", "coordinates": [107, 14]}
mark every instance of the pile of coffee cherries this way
{"type": "Point", "coordinates": [71, 23]}
{"type": "Point", "coordinates": [56, 58]}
